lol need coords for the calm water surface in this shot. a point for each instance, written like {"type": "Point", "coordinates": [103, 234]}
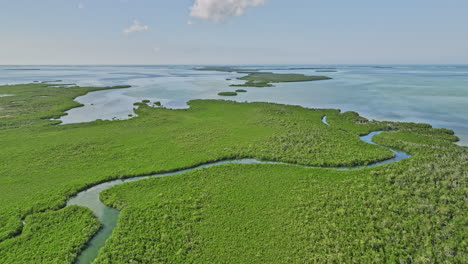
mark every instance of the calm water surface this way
{"type": "Point", "coordinates": [435, 94]}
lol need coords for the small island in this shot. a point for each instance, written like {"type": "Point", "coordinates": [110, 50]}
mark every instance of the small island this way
{"type": "Point", "coordinates": [227, 94]}
{"type": "Point", "coordinates": [265, 79]}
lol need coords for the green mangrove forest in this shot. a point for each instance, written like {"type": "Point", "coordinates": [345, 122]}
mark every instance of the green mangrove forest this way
{"type": "Point", "coordinates": [410, 211]}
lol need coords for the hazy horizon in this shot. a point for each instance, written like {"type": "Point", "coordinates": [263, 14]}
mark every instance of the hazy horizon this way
{"type": "Point", "coordinates": [253, 64]}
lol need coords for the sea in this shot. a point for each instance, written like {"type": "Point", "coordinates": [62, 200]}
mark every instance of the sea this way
{"type": "Point", "coordinates": [434, 94]}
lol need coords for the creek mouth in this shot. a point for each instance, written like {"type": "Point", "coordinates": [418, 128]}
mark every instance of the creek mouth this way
{"type": "Point", "coordinates": [108, 216]}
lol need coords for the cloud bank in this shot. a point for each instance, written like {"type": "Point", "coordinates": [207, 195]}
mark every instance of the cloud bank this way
{"type": "Point", "coordinates": [220, 10]}
{"type": "Point", "coordinates": [135, 27]}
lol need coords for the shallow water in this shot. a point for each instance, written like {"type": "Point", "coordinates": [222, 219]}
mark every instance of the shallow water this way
{"type": "Point", "coordinates": [109, 216]}
{"type": "Point", "coordinates": [435, 94]}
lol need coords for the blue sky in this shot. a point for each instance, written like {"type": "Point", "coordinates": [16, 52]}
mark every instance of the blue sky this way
{"type": "Point", "coordinates": [233, 32]}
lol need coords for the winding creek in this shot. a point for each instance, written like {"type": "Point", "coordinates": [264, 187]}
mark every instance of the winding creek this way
{"type": "Point", "coordinates": [108, 216]}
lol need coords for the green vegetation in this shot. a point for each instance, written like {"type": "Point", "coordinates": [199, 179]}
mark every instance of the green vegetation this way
{"type": "Point", "coordinates": [241, 91]}
{"type": "Point", "coordinates": [157, 103]}
{"type": "Point", "coordinates": [63, 85]}
{"type": "Point", "coordinates": [146, 101]}
{"type": "Point", "coordinates": [410, 211]}
{"type": "Point", "coordinates": [387, 214]}
{"type": "Point", "coordinates": [264, 79]}
{"type": "Point", "coordinates": [227, 94]}
{"type": "Point", "coordinates": [51, 237]}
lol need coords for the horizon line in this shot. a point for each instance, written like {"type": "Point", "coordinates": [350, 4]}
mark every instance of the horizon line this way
{"type": "Point", "coordinates": [235, 64]}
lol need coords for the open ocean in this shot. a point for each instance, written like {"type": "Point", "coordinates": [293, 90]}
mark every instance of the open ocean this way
{"type": "Point", "coordinates": [434, 94]}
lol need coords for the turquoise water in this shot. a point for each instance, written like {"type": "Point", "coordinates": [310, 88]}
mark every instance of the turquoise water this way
{"type": "Point", "coordinates": [435, 94]}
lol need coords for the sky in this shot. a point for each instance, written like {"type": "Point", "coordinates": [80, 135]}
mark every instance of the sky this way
{"type": "Point", "coordinates": [233, 32]}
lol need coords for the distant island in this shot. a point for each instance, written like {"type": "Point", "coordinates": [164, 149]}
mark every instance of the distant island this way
{"type": "Point", "coordinates": [265, 79]}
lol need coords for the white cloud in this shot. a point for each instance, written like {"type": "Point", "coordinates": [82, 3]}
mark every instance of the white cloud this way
{"type": "Point", "coordinates": [135, 27]}
{"type": "Point", "coordinates": [189, 22]}
{"type": "Point", "coordinates": [219, 10]}
{"type": "Point", "coordinates": [81, 6]}
{"type": "Point", "coordinates": [156, 49]}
